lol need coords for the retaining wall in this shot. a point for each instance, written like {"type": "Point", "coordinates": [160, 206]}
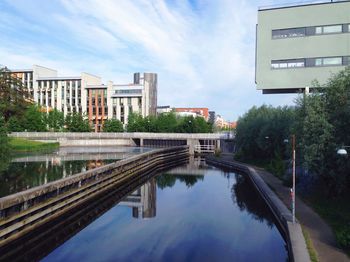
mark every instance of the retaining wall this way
{"type": "Point", "coordinates": [292, 232]}
{"type": "Point", "coordinates": [22, 212]}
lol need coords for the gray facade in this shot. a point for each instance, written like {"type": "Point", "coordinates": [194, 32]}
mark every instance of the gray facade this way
{"type": "Point", "coordinates": [299, 44]}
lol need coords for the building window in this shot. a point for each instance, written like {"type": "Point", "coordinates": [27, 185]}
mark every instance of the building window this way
{"type": "Point", "coordinates": [284, 33]}
{"type": "Point", "coordinates": [310, 62]}
{"type": "Point", "coordinates": [332, 29]}
{"type": "Point", "coordinates": [310, 30]}
{"type": "Point", "coordinates": [276, 64]}
{"type": "Point", "coordinates": [332, 61]}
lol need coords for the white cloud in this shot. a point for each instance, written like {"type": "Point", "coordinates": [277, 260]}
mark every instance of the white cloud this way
{"type": "Point", "coordinates": [204, 56]}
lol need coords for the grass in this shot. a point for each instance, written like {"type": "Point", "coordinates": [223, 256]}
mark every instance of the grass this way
{"type": "Point", "coordinates": [24, 145]}
{"type": "Point", "coordinates": [336, 212]}
{"type": "Point", "coordinates": [309, 245]}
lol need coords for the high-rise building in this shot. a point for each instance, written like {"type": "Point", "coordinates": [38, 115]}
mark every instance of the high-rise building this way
{"type": "Point", "coordinates": [297, 44]}
{"type": "Point", "coordinates": [86, 94]}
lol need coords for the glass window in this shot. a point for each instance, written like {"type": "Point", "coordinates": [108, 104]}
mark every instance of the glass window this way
{"type": "Point", "coordinates": [275, 65]}
{"type": "Point", "coordinates": [318, 30]}
{"type": "Point", "coordinates": [332, 61]}
{"type": "Point", "coordinates": [332, 29]}
{"type": "Point", "coordinates": [318, 61]}
{"type": "Point", "coordinates": [283, 65]}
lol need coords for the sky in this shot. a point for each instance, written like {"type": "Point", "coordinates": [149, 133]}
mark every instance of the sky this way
{"type": "Point", "coordinates": [202, 50]}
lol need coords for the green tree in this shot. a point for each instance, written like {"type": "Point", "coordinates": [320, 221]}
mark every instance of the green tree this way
{"type": "Point", "coordinates": [77, 123]}
{"type": "Point", "coordinates": [34, 119]}
{"type": "Point", "coordinates": [55, 120]}
{"type": "Point", "coordinates": [323, 122]}
{"type": "Point", "coordinates": [15, 125]}
{"type": "Point", "coordinates": [112, 125]}
{"type": "Point", "coordinates": [167, 122]}
{"type": "Point", "coordinates": [135, 123]}
{"type": "Point", "coordinates": [13, 96]}
{"type": "Point", "coordinates": [4, 146]}
{"type": "Point", "coordinates": [261, 132]}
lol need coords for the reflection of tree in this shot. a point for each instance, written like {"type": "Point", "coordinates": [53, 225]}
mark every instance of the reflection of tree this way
{"type": "Point", "coordinates": [248, 199]}
{"type": "Point", "coordinates": [19, 176]}
{"type": "Point", "coordinates": [165, 180]}
{"type": "Point", "coordinates": [168, 180]}
{"type": "Point", "coordinates": [189, 180]}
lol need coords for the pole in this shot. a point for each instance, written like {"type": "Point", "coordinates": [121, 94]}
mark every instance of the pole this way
{"type": "Point", "coordinates": [293, 190]}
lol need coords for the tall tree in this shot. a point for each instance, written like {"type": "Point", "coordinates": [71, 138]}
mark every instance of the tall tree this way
{"type": "Point", "coordinates": [13, 96]}
{"type": "Point", "coordinates": [55, 120]}
{"type": "Point", "coordinates": [77, 123]}
{"type": "Point", "coordinates": [113, 125]}
{"type": "Point", "coordinates": [34, 119]}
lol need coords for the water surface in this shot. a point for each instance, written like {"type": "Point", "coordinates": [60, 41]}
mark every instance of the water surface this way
{"type": "Point", "coordinates": [28, 170]}
{"type": "Point", "coordinates": [186, 214]}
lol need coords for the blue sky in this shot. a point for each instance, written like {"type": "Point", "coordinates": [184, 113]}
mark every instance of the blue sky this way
{"type": "Point", "coordinates": [203, 51]}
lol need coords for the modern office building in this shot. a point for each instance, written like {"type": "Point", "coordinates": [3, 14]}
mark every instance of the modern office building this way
{"type": "Point", "coordinates": [87, 95]}
{"type": "Point", "coordinates": [297, 44]}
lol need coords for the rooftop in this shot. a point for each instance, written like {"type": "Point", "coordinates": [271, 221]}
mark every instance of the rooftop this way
{"type": "Point", "coordinates": [299, 4]}
{"type": "Point", "coordinates": [60, 78]}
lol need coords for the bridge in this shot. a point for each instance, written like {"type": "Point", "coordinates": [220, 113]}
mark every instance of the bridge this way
{"type": "Point", "coordinates": [198, 143]}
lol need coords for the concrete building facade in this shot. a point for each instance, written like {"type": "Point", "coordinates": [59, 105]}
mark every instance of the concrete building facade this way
{"type": "Point", "coordinates": [298, 44]}
{"type": "Point", "coordinates": [86, 94]}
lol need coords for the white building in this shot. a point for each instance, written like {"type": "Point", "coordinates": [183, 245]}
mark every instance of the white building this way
{"type": "Point", "coordinates": [86, 94]}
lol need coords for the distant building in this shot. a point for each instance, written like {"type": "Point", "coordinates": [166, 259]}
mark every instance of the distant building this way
{"type": "Point", "coordinates": [220, 122]}
{"type": "Point", "coordinates": [203, 112]}
{"type": "Point", "coordinates": [86, 94]}
{"type": "Point", "coordinates": [299, 43]}
{"type": "Point", "coordinates": [211, 117]}
{"type": "Point", "coordinates": [163, 109]}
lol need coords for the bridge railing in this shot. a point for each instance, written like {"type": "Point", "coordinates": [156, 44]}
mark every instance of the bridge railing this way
{"type": "Point", "coordinates": [122, 135]}
{"type": "Point", "coordinates": [204, 149]}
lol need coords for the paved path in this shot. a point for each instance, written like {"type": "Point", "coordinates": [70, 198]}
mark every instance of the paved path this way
{"type": "Point", "coordinates": [320, 233]}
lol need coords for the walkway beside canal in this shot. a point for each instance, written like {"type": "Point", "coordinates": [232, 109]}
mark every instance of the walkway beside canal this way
{"type": "Point", "coordinates": [320, 233]}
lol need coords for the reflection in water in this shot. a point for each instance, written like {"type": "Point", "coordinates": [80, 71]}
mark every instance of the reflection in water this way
{"type": "Point", "coordinates": [168, 180]}
{"type": "Point", "coordinates": [143, 200]}
{"type": "Point", "coordinates": [193, 219]}
{"type": "Point", "coordinates": [20, 176]}
{"type": "Point", "coordinates": [249, 200]}
{"type": "Point", "coordinates": [27, 170]}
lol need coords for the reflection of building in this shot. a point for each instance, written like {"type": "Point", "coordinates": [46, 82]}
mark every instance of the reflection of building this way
{"type": "Point", "coordinates": [143, 200]}
{"type": "Point", "coordinates": [299, 43]}
{"type": "Point", "coordinates": [203, 112]}
{"type": "Point", "coordinates": [86, 94]}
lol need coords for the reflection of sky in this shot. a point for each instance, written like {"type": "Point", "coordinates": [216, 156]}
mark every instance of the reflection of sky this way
{"type": "Point", "coordinates": [199, 223]}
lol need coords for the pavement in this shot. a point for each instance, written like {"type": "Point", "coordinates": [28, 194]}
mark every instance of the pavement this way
{"type": "Point", "coordinates": [321, 234]}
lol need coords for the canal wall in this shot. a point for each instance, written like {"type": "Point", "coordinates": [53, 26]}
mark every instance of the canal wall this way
{"type": "Point", "coordinates": [25, 211]}
{"type": "Point", "coordinates": [292, 232]}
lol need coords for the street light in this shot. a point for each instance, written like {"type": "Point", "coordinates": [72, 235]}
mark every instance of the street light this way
{"type": "Point", "coordinates": [292, 190]}
{"type": "Point", "coordinates": [342, 151]}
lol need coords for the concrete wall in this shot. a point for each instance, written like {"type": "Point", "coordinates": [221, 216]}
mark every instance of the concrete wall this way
{"type": "Point", "coordinates": [313, 46]}
{"type": "Point", "coordinates": [291, 232]}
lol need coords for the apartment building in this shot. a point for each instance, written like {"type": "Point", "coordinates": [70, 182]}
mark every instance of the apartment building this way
{"type": "Point", "coordinates": [299, 43]}
{"type": "Point", "coordinates": [86, 94]}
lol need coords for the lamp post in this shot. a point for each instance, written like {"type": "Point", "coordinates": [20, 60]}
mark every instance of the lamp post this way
{"type": "Point", "coordinates": [292, 190]}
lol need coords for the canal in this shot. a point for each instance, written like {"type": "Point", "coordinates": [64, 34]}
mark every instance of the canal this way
{"type": "Point", "coordinates": [191, 213]}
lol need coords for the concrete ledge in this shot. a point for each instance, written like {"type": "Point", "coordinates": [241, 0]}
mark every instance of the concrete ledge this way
{"type": "Point", "coordinates": [291, 231]}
